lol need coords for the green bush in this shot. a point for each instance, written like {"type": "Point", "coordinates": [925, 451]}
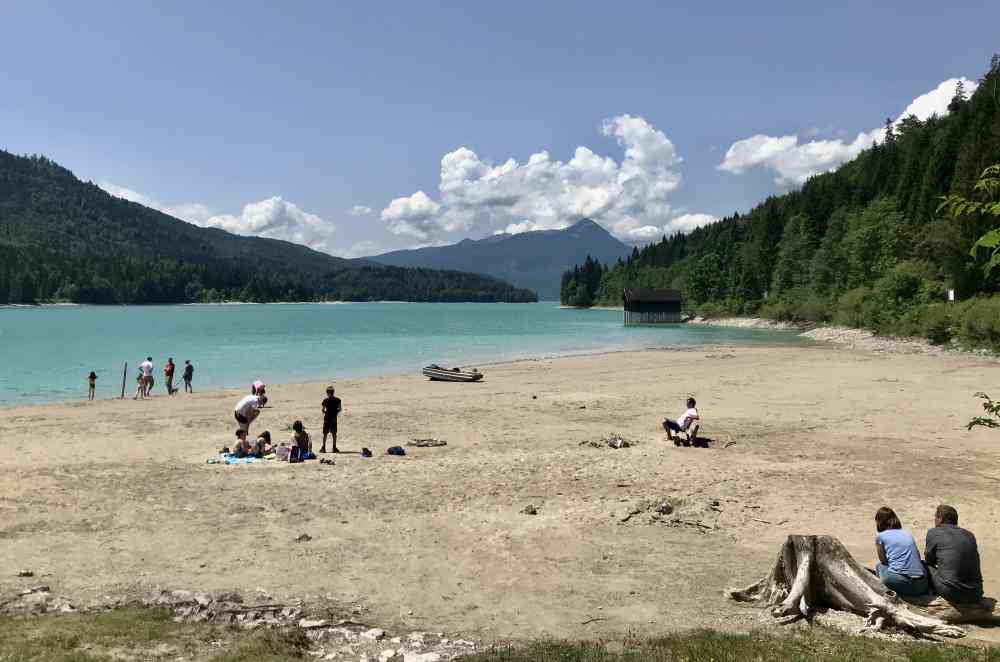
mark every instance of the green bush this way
{"type": "Point", "coordinates": [779, 311]}
{"type": "Point", "coordinates": [932, 321]}
{"type": "Point", "coordinates": [937, 323]}
{"type": "Point", "coordinates": [849, 308]}
{"type": "Point", "coordinates": [979, 323]}
{"type": "Point", "coordinates": [712, 310]}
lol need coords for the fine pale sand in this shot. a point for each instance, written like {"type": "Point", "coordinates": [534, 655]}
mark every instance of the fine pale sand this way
{"type": "Point", "coordinates": [112, 496]}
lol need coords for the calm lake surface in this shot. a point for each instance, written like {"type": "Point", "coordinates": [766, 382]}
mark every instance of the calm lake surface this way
{"type": "Point", "coordinates": [47, 352]}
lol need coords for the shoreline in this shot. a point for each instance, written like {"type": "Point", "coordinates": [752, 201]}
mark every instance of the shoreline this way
{"type": "Point", "coordinates": [841, 338]}
{"type": "Point", "coordinates": [392, 375]}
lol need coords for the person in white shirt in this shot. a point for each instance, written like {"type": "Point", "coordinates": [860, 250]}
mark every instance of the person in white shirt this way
{"type": "Point", "coordinates": [683, 424]}
{"type": "Point", "coordinates": [258, 388]}
{"type": "Point", "coordinates": [146, 368]}
{"type": "Point", "coordinates": [247, 409]}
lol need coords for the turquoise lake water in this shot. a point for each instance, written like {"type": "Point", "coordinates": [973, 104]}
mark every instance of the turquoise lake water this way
{"type": "Point", "coordinates": [46, 353]}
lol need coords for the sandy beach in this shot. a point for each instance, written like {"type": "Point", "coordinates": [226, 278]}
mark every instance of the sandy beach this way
{"type": "Point", "coordinates": [114, 496]}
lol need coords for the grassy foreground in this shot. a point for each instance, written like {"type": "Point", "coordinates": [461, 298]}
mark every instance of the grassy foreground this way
{"type": "Point", "coordinates": [149, 634]}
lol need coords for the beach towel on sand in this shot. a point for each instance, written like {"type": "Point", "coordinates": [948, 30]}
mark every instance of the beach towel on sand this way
{"type": "Point", "coordinates": [229, 458]}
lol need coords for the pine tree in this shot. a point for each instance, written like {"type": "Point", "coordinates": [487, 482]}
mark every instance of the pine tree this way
{"type": "Point", "coordinates": [890, 134]}
{"type": "Point", "coordinates": [958, 99]}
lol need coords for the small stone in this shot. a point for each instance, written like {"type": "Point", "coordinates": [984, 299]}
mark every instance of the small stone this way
{"type": "Point", "coordinates": [305, 537]}
{"type": "Point", "coordinates": [375, 634]}
{"type": "Point", "coordinates": [25, 573]}
{"type": "Point", "coordinates": [308, 624]}
{"type": "Point", "coordinates": [422, 657]}
{"type": "Point", "coordinates": [387, 655]}
{"type": "Point", "coordinates": [396, 640]}
{"type": "Point", "coordinates": [203, 599]}
{"type": "Point", "coordinates": [529, 510]}
{"type": "Point", "coordinates": [67, 608]}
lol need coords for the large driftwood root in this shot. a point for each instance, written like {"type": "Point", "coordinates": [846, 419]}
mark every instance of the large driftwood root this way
{"type": "Point", "coordinates": [818, 571]}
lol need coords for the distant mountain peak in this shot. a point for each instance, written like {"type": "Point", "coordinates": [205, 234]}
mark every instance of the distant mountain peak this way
{"type": "Point", "coordinates": [537, 257]}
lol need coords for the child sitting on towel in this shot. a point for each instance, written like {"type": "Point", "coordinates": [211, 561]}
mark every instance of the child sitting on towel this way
{"type": "Point", "coordinates": [242, 447]}
{"type": "Point", "coordinates": [302, 446]}
{"type": "Point", "coordinates": [262, 446]}
{"type": "Point", "coordinates": [683, 424]}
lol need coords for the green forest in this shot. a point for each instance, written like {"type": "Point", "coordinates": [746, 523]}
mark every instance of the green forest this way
{"type": "Point", "coordinates": [66, 240]}
{"type": "Point", "coordinates": [875, 244]}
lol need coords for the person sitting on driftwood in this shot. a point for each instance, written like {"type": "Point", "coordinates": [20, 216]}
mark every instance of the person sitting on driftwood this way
{"type": "Point", "coordinates": [953, 558]}
{"type": "Point", "coordinates": [685, 422]}
{"type": "Point", "coordinates": [899, 566]}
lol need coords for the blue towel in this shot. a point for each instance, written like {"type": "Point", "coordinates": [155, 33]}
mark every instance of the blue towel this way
{"type": "Point", "coordinates": [229, 458]}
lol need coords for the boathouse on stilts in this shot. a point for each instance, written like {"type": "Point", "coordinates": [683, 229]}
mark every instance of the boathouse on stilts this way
{"type": "Point", "coordinates": [652, 306]}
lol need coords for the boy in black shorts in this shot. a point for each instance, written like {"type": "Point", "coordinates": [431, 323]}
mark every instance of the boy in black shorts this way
{"type": "Point", "coordinates": [331, 407]}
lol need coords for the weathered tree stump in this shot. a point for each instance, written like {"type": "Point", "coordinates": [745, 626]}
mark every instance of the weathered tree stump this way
{"type": "Point", "coordinates": [818, 571]}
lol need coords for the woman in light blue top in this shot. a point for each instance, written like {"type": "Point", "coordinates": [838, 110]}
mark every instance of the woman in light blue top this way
{"type": "Point", "coordinates": [899, 566]}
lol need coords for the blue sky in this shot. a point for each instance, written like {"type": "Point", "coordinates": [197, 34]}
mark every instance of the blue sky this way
{"type": "Point", "coordinates": [279, 120]}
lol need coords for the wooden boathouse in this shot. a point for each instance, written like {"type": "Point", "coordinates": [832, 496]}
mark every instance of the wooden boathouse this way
{"type": "Point", "coordinates": [644, 306]}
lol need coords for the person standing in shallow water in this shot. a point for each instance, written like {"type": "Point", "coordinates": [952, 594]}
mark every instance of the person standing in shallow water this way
{"type": "Point", "coordinates": [188, 375]}
{"type": "Point", "coordinates": [168, 376]}
{"type": "Point", "coordinates": [146, 368]}
{"type": "Point", "coordinates": [92, 384]}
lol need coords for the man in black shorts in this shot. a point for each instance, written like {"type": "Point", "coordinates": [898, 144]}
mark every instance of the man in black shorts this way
{"type": "Point", "coordinates": [331, 407]}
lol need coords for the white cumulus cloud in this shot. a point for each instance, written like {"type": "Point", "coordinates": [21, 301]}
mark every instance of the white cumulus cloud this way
{"type": "Point", "coordinates": [413, 215]}
{"type": "Point", "coordinates": [274, 218]}
{"type": "Point", "coordinates": [681, 224]}
{"type": "Point", "coordinates": [277, 218]}
{"type": "Point", "coordinates": [192, 212]}
{"type": "Point", "coordinates": [795, 162]}
{"type": "Point", "coordinates": [546, 193]}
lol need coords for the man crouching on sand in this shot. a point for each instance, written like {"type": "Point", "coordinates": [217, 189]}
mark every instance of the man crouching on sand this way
{"type": "Point", "coordinates": [248, 409]}
{"type": "Point", "coordinates": [683, 424]}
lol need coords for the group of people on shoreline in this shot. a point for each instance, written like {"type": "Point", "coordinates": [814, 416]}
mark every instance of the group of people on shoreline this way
{"type": "Point", "coordinates": [144, 380]}
{"type": "Point", "coordinates": [300, 445]}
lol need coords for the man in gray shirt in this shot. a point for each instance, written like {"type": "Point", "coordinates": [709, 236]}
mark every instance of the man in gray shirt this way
{"type": "Point", "coordinates": [952, 555]}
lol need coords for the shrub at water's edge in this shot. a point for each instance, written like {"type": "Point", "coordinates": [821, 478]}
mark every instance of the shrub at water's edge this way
{"type": "Point", "coordinates": [876, 244]}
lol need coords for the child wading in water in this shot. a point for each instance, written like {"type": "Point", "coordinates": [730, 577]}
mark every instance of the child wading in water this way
{"type": "Point", "coordinates": [92, 381]}
{"type": "Point", "coordinates": [140, 387]}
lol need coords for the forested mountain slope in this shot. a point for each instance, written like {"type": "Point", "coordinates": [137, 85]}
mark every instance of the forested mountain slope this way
{"type": "Point", "coordinates": [862, 246]}
{"type": "Point", "coordinates": [63, 239]}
